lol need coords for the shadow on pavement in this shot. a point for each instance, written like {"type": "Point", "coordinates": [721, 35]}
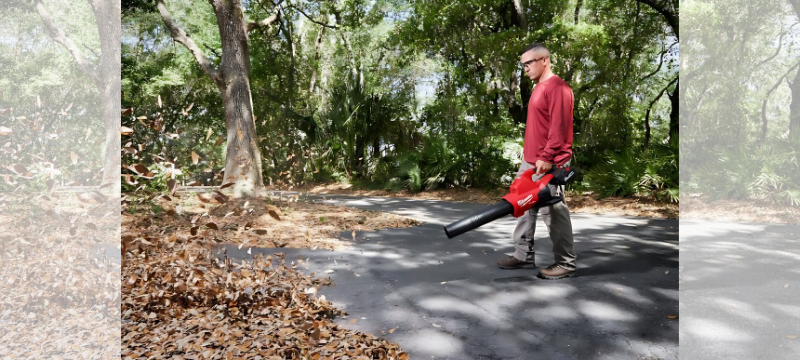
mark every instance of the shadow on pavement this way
{"type": "Point", "coordinates": [740, 290]}
{"type": "Point", "coordinates": [446, 298]}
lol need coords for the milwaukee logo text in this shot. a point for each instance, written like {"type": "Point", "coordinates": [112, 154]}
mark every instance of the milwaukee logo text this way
{"type": "Point", "coordinates": [524, 201]}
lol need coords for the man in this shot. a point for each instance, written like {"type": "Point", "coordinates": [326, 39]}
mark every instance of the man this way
{"type": "Point", "coordinates": [548, 143]}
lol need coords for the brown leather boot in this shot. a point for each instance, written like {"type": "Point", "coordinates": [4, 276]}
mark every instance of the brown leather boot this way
{"type": "Point", "coordinates": [555, 272]}
{"type": "Point", "coordinates": [510, 263]}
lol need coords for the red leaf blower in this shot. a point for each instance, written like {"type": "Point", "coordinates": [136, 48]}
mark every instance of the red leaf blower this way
{"type": "Point", "coordinates": [525, 194]}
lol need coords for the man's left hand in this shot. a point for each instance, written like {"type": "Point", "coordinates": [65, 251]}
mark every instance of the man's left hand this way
{"type": "Point", "coordinates": [542, 167]}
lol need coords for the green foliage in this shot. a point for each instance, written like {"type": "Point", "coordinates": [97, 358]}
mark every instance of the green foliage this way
{"type": "Point", "coordinates": [746, 172]}
{"type": "Point", "coordinates": [652, 172]}
{"type": "Point", "coordinates": [48, 107]}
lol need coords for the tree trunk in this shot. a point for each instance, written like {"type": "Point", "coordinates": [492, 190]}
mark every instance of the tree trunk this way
{"type": "Point", "coordinates": [376, 148]}
{"type": "Point", "coordinates": [105, 77]}
{"type": "Point", "coordinates": [519, 112]}
{"type": "Point", "coordinates": [111, 163]}
{"type": "Point", "coordinates": [358, 158]}
{"type": "Point", "coordinates": [794, 108]}
{"type": "Point", "coordinates": [519, 16]}
{"type": "Point", "coordinates": [243, 160]}
{"type": "Point", "coordinates": [317, 48]}
{"type": "Point", "coordinates": [674, 116]}
{"type": "Point", "coordinates": [109, 26]}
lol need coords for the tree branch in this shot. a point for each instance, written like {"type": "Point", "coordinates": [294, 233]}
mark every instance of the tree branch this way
{"type": "Point", "coordinates": [212, 51]}
{"type": "Point", "coordinates": [312, 20]}
{"type": "Point", "coordinates": [650, 107]}
{"type": "Point", "coordinates": [778, 50]}
{"type": "Point", "coordinates": [667, 9]}
{"type": "Point", "coordinates": [660, 62]}
{"type": "Point", "coordinates": [764, 121]}
{"type": "Point", "coordinates": [60, 37]}
{"type": "Point", "coordinates": [180, 36]}
{"type": "Point", "coordinates": [266, 22]}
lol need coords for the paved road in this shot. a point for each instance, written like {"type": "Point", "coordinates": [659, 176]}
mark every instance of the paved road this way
{"type": "Point", "coordinates": [740, 291]}
{"type": "Point", "coordinates": [446, 298]}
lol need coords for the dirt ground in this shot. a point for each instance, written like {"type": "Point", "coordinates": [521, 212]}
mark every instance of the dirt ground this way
{"type": "Point", "coordinates": [700, 207]}
{"type": "Point", "coordinates": [578, 203]}
{"type": "Point", "coordinates": [268, 222]}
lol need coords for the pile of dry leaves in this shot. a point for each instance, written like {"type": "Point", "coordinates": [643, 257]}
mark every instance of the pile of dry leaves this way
{"type": "Point", "coordinates": [182, 300]}
{"type": "Point", "coordinates": [59, 292]}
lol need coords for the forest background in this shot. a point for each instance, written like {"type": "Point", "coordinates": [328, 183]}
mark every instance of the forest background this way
{"type": "Point", "coordinates": [415, 95]}
{"type": "Point", "coordinates": [427, 94]}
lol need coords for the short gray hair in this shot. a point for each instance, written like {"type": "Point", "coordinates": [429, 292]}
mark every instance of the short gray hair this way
{"type": "Point", "coordinates": [535, 47]}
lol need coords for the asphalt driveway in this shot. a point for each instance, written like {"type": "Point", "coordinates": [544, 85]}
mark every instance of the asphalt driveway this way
{"type": "Point", "coordinates": [447, 299]}
{"type": "Point", "coordinates": [740, 290]}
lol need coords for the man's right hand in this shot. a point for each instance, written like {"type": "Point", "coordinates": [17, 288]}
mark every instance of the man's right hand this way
{"type": "Point", "coordinates": [542, 167]}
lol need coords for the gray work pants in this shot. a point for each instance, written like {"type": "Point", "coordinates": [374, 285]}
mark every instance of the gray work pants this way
{"type": "Point", "coordinates": [556, 217]}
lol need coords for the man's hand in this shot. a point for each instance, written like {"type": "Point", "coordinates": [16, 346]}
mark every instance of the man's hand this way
{"type": "Point", "coordinates": [542, 167]}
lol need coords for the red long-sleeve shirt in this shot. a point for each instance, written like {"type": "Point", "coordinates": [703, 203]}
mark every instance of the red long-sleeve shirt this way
{"type": "Point", "coordinates": [548, 134]}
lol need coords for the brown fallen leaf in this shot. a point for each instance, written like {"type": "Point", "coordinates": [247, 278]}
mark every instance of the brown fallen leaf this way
{"type": "Point", "coordinates": [172, 185]}
{"type": "Point", "coordinates": [139, 169]}
{"type": "Point", "coordinates": [212, 225]}
{"type": "Point", "coordinates": [219, 196]}
{"type": "Point", "coordinates": [18, 169]}
{"type": "Point", "coordinates": [273, 211]}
